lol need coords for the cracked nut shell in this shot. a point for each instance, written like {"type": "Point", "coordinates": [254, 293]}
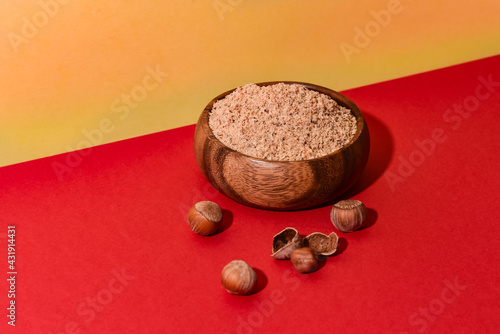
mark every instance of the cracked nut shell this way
{"type": "Point", "coordinates": [285, 242]}
{"type": "Point", "coordinates": [322, 244]}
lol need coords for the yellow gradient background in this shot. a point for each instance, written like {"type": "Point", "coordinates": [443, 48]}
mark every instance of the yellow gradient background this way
{"type": "Point", "coordinates": [80, 59]}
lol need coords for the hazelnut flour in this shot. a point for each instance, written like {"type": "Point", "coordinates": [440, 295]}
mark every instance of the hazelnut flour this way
{"type": "Point", "coordinates": [285, 122]}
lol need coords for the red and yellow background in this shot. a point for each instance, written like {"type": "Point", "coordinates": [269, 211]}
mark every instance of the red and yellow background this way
{"type": "Point", "coordinates": [101, 240]}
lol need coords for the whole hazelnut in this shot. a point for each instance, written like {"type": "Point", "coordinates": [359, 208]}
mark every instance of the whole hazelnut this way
{"type": "Point", "coordinates": [205, 217]}
{"type": "Point", "coordinates": [239, 278]}
{"type": "Point", "coordinates": [304, 260]}
{"type": "Point", "coordinates": [348, 215]}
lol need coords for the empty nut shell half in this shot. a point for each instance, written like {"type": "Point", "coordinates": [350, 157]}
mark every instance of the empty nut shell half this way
{"type": "Point", "coordinates": [285, 242]}
{"type": "Point", "coordinates": [322, 244]}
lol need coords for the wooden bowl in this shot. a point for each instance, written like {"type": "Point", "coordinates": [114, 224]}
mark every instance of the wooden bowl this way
{"type": "Point", "coordinates": [281, 185]}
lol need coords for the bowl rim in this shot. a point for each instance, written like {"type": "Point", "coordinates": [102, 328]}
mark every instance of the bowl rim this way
{"type": "Point", "coordinates": [336, 96]}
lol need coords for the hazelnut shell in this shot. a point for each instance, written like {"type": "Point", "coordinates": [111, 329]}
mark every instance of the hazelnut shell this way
{"type": "Point", "coordinates": [204, 217]}
{"type": "Point", "coordinates": [239, 278]}
{"type": "Point", "coordinates": [285, 242]}
{"type": "Point", "coordinates": [322, 244]}
{"type": "Point", "coordinates": [348, 215]}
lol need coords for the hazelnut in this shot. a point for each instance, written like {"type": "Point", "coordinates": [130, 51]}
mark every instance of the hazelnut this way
{"type": "Point", "coordinates": [285, 242]}
{"type": "Point", "coordinates": [348, 215]}
{"type": "Point", "coordinates": [205, 217]}
{"type": "Point", "coordinates": [239, 278]}
{"type": "Point", "coordinates": [304, 260]}
{"type": "Point", "coordinates": [322, 244]}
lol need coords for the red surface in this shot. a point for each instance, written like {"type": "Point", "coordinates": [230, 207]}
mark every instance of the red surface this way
{"type": "Point", "coordinates": [428, 261]}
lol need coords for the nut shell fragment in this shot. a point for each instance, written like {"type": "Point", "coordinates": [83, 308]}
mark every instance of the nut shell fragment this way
{"type": "Point", "coordinates": [285, 242]}
{"type": "Point", "coordinates": [322, 244]}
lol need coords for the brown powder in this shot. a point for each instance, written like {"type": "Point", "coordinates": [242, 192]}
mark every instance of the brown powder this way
{"type": "Point", "coordinates": [285, 122]}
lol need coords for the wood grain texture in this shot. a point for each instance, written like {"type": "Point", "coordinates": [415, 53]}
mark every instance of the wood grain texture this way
{"type": "Point", "coordinates": [281, 185]}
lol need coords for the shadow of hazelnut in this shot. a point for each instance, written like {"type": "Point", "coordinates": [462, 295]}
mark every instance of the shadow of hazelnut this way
{"type": "Point", "coordinates": [227, 221]}
{"type": "Point", "coordinates": [261, 280]}
{"type": "Point", "coordinates": [371, 219]}
{"type": "Point", "coordinates": [341, 246]}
